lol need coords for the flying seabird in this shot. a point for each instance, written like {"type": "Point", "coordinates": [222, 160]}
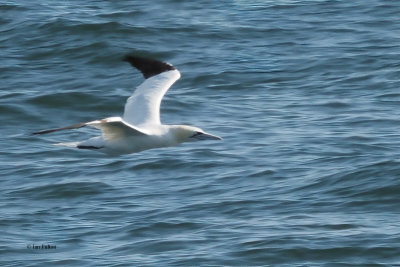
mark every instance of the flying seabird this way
{"type": "Point", "coordinates": [140, 127]}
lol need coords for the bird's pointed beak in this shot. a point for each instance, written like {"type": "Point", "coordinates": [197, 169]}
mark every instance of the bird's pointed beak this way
{"type": "Point", "coordinates": [207, 136]}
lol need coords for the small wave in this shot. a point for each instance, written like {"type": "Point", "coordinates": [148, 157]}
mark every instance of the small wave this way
{"type": "Point", "coordinates": [375, 184]}
{"type": "Point", "coordinates": [65, 190]}
{"type": "Point", "coordinates": [57, 100]}
{"type": "Point", "coordinates": [8, 7]}
{"type": "Point", "coordinates": [157, 228]}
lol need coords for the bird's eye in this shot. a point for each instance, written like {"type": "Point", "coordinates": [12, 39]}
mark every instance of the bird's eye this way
{"type": "Point", "coordinates": [196, 134]}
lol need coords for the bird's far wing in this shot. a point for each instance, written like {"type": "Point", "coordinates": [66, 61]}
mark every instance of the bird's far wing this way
{"type": "Point", "coordinates": [143, 107]}
{"type": "Point", "coordinates": [74, 126]}
{"type": "Point", "coordinates": [114, 128]}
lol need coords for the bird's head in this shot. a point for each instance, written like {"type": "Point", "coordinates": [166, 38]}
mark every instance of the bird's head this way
{"type": "Point", "coordinates": [184, 133]}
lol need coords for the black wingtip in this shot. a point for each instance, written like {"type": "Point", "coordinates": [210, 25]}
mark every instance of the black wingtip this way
{"type": "Point", "coordinates": [147, 66]}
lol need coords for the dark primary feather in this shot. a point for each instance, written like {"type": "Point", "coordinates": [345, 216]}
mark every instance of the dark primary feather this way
{"type": "Point", "coordinates": [147, 66]}
{"type": "Point", "coordinates": [75, 126]}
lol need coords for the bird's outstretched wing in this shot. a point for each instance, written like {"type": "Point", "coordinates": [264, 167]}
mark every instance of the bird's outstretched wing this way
{"type": "Point", "coordinates": [143, 107]}
{"type": "Point", "coordinates": [112, 128]}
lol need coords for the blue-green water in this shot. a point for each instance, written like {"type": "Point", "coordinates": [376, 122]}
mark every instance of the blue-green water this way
{"type": "Point", "coordinates": [305, 94]}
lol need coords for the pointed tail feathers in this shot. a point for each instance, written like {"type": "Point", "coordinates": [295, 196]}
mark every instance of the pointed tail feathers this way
{"type": "Point", "coordinates": [69, 144]}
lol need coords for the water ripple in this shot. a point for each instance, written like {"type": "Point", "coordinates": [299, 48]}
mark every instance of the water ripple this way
{"type": "Point", "coordinates": [304, 93]}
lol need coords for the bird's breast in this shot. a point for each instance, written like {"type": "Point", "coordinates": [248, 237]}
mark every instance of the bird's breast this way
{"type": "Point", "coordinates": [135, 144]}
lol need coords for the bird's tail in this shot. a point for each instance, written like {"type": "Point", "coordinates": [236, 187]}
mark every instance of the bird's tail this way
{"type": "Point", "coordinates": [70, 144]}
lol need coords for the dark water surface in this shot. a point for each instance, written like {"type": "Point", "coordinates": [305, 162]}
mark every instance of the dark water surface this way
{"type": "Point", "coordinates": [305, 94]}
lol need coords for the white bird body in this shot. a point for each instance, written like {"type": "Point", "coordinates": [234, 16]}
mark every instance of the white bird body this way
{"type": "Point", "coordinates": [122, 140]}
{"type": "Point", "coordinates": [140, 127]}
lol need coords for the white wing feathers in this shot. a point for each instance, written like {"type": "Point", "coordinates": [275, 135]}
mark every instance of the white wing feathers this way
{"type": "Point", "coordinates": [143, 107]}
{"type": "Point", "coordinates": [112, 128]}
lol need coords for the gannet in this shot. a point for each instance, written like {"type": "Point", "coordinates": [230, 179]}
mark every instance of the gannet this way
{"type": "Point", "coordinates": [140, 127]}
